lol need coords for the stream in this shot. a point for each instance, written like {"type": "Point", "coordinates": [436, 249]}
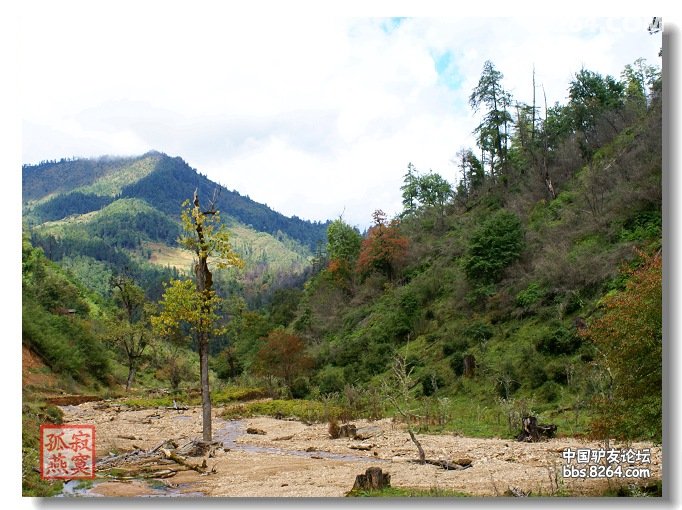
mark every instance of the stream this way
{"type": "Point", "coordinates": [227, 432]}
{"type": "Point", "coordinates": [231, 430]}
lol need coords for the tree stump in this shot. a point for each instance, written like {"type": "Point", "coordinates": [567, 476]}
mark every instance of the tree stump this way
{"type": "Point", "coordinates": [469, 365]}
{"type": "Point", "coordinates": [532, 431]}
{"type": "Point", "coordinates": [348, 430]}
{"type": "Point", "coordinates": [373, 479]}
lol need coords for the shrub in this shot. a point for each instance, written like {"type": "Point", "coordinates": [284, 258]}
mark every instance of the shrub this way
{"type": "Point", "coordinates": [457, 363]}
{"type": "Point", "coordinates": [549, 391]}
{"type": "Point", "coordinates": [308, 410]}
{"type": "Point", "coordinates": [559, 341]}
{"type": "Point", "coordinates": [430, 383]}
{"type": "Point", "coordinates": [300, 387]}
{"type": "Point", "coordinates": [330, 380]}
{"type": "Point", "coordinates": [495, 244]}
{"type": "Point", "coordinates": [455, 345]}
{"type": "Point", "coordinates": [530, 295]}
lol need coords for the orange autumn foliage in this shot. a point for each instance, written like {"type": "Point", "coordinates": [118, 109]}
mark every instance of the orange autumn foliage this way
{"type": "Point", "coordinates": [629, 339]}
{"type": "Point", "coordinates": [384, 249]}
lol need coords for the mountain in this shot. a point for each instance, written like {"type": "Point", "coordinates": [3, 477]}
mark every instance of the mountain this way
{"type": "Point", "coordinates": [101, 216]}
{"type": "Point", "coordinates": [54, 190]}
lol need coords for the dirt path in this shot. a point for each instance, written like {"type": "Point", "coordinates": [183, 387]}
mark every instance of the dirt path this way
{"type": "Point", "coordinates": [295, 459]}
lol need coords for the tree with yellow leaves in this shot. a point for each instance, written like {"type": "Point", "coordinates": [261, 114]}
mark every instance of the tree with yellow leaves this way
{"type": "Point", "coordinates": [195, 303]}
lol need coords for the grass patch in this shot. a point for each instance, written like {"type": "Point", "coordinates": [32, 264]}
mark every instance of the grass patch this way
{"type": "Point", "coordinates": [237, 394]}
{"type": "Point", "coordinates": [223, 396]}
{"type": "Point", "coordinates": [408, 492]}
{"type": "Point", "coordinates": [33, 414]}
{"type": "Point", "coordinates": [652, 489]}
{"type": "Point", "coordinates": [147, 402]}
{"type": "Point", "coordinates": [306, 410]}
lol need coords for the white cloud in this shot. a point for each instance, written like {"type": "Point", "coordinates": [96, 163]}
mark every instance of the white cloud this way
{"type": "Point", "coordinates": [312, 115]}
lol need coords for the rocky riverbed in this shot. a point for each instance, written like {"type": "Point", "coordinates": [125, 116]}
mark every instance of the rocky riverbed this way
{"type": "Point", "coordinates": [289, 458]}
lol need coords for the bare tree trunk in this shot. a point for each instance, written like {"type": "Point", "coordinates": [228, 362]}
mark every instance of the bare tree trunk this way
{"type": "Point", "coordinates": [205, 391]}
{"type": "Point", "coordinates": [132, 368]}
{"type": "Point", "coordinates": [204, 286]}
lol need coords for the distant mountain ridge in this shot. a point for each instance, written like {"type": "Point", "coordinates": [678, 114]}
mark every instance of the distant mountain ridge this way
{"type": "Point", "coordinates": [56, 189]}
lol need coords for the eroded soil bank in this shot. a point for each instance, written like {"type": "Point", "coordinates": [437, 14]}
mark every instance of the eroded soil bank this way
{"type": "Point", "coordinates": [295, 459]}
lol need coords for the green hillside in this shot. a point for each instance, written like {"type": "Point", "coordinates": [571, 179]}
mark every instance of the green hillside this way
{"type": "Point", "coordinates": [105, 176]}
{"type": "Point", "coordinates": [532, 288]}
{"type": "Point", "coordinates": [55, 190]}
{"type": "Point", "coordinates": [504, 297]}
{"type": "Point", "coordinates": [100, 216]}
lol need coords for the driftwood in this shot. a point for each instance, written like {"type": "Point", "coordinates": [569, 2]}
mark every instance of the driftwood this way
{"type": "Point", "coordinates": [199, 448]}
{"type": "Point", "coordinates": [162, 461]}
{"type": "Point", "coordinates": [361, 447]}
{"type": "Point", "coordinates": [183, 462]}
{"type": "Point", "coordinates": [450, 465]}
{"type": "Point", "coordinates": [532, 431]}
{"type": "Point", "coordinates": [445, 464]}
{"type": "Point", "coordinates": [373, 479]}
{"type": "Point", "coordinates": [283, 438]}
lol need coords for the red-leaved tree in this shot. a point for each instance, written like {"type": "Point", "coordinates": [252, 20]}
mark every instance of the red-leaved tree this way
{"type": "Point", "coordinates": [384, 249]}
{"type": "Point", "coordinates": [283, 355]}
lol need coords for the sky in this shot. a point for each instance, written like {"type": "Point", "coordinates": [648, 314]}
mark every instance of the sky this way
{"type": "Point", "coordinates": [316, 116]}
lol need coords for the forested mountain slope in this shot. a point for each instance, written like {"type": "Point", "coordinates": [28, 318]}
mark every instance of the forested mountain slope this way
{"type": "Point", "coordinates": [54, 190]}
{"type": "Point", "coordinates": [533, 288]}
{"type": "Point", "coordinates": [101, 216]}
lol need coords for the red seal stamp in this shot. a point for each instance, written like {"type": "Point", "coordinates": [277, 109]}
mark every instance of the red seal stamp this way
{"type": "Point", "coordinates": [67, 452]}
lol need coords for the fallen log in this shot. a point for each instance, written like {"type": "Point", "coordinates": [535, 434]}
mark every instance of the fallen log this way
{"type": "Point", "coordinates": [182, 461]}
{"type": "Point", "coordinates": [179, 408]}
{"type": "Point", "coordinates": [361, 447]}
{"type": "Point", "coordinates": [448, 465]}
{"type": "Point", "coordinates": [365, 433]}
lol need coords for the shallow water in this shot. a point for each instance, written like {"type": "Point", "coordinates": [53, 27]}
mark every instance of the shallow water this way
{"type": "Point", "coordinates": [227, 432]}
{"type": "Point", "coordinates": [230, 430]}
{"type": "Point", "coordinates": [72, 489]}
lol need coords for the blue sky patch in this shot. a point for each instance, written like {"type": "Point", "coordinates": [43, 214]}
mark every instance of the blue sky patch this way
{"type": "Point", "coordinates": [448, 74]}
{"type": "Point", "coordinates": [390, 24]}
